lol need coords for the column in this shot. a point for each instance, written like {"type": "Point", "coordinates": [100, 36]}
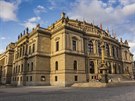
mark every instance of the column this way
{"type": "Point", "coordinates": [96, 67]}
{"type": "Point", "coordinates": [112, 68]}
{"type": "Point", "coordinates": [82, 48]}
{"type": "Point", "coordinates": [110, 50]}
{"type": "Point", "coordinates": [94, 46]}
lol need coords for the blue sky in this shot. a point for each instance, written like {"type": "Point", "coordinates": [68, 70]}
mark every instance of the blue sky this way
{"type": "Point", "coordinates": [116, 15]}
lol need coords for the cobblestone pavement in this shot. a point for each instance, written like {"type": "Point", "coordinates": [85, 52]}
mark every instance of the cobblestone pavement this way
{"type": "Point", "coordinates": [124, 93]}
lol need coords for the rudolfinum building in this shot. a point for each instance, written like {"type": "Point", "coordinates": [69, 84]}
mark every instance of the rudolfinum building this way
{"type": "Point", "coordinates": [65, 53]}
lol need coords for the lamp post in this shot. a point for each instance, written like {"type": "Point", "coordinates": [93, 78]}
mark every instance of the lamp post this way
{"type": "Point", "coordinates": [103, 66]}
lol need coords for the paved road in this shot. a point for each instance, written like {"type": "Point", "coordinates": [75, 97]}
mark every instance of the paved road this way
{"type": "Point", "coordinates": [125, 93]}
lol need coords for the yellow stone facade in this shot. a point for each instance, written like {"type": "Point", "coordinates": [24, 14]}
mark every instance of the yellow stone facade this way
{"type": "Point", "coordinates": [66, 52]}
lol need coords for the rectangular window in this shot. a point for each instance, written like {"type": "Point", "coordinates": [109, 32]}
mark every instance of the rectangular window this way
{"type": "Point", "coordinates": [23, 50]}
{"type": "Point", "coordinates": [57, 46]}
{"type": "Point", "coordinates": [33, 48]}
{"type": "Point", "coordinates": [90, 46]}
{"type": "Point", "coordinates": [28, 67]}
{"type": "Point", "coordinates": [76, 78]}
{"type": "Point", "coordinates": [19, 69]}
{"type": "Point", "coordinates": [74, 45]}
{"type": "Point", "coordinates": [31, 66]}
{"type": "Point", "coordinates": [20, 52]}
{"type": "Point", "coordinates": [56, 78]}
{"type": "Point", "coordinates": [22, 68]}
{"type": "Point", "coordinates": [56, 65]}
{"type": "Point", "coordinates": [30, 78]}
{"type": "Point", "coordinates": [21, 79]}
{"type": "Point", "coordinates": [29, 49]}
{"type": "Point", "coordinates": [14, 70]}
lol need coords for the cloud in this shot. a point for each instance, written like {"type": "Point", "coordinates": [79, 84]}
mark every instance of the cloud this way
{"type": "Point", "coordinates": [39, 9]}
{"type": "Point", "coordinates": [1, 51]}
{"type": "Point", "coordinates": [53, 4]}
{"type": "Point", "coordinates": [2, 38]}
{"type": "Point", "coordinates": [126, 2]}
{"type": "Point", "coordinates": [34, 19]}
{"type": "Point", "coordinates": [129, 9]}
{"type": "Point", "coordinates": [8, 10]}
{"type": "Point", "coordinates": [32, 22]}
{"type": "Point", "coordinates": [58, 4]}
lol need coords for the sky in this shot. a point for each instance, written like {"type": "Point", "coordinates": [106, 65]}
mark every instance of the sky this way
{"type": "Point", "coordinates": [116, 15]}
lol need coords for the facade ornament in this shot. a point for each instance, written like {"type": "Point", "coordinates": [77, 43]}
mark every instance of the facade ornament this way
{"type": "Point", "coordinates": [107, 30]}
{"type": "Point", "coordinates": [126, 42]}
{"type": "Point", "coordinates": [21, 35]}
{"type": "Point", "coordinates": [18, 36]}
{"type": "Point", "coordinates": [100, 25]}
{"type": "Point", "coordinates": [53, 25]}
{"type": "Point", "coordinates": [38, 25]}
{"type": "Point", "coordinates": [63, 15]}
{"type": "Point", "coordinates": [79, 23]}
{"type": "Point", "coordinates": [120, 39]}
{"type": "Point", "coordinates": [66, 20]}
{"type": "Point", "coordinates": [27, 30]}
{"type": "Point", "coordinates": [24, 32]}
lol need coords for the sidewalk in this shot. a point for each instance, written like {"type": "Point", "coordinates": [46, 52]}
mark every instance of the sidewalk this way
{"type": "Point", "coordinates": [121, 83]}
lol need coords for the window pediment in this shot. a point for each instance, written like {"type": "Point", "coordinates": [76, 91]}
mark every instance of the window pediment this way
{"type": "Point", "coordinates": [57, 38]}
{"type": "Point", "coordinates": [74, 38]}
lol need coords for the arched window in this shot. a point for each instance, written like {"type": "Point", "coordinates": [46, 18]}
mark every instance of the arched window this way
{"type": "Point", "coordinates": [99, 48]}
{"type": "Point", "coordinates": [109, 66]}
{"type": "Point", "coordinates": [107, 49]}
{"type": "Point", "coordinates": [117, 52]}
{"type": "Point", "coordinates": [90, 46]}
{"type": "Point", "coordinates": [113, 52]}
{"type": "Point", "coordinates": [56, 65]}
{"type": "Point", "coordinates": [115, 69]}
{"type": "Point", "coordinates": [91, 65]}
{"type": "Point", "coordinates": [74, 45]}
{"type": "Point", "coordinates": [126, 55]}
{"type": "Point", "coordinates": [75, 65]}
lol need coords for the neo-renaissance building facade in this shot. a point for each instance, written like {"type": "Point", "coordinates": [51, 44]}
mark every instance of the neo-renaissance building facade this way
{"type": "Point", "coordinates": [65, 53]}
